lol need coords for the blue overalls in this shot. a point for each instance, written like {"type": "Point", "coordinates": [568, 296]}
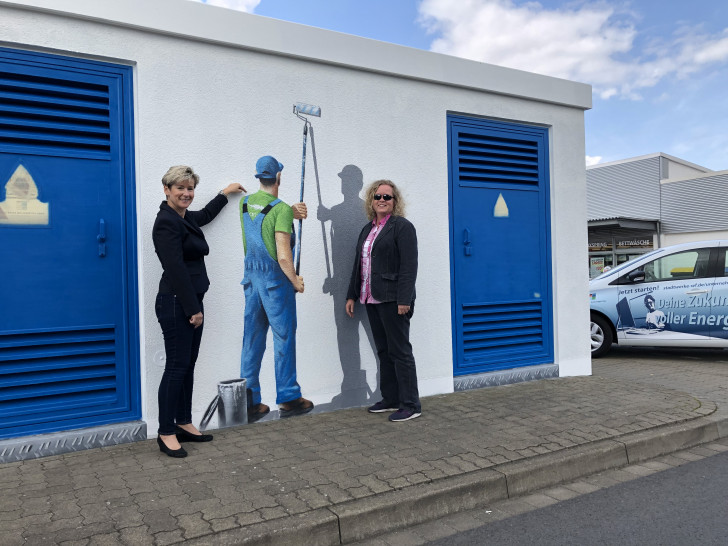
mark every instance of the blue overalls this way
{"type": "Point", "coordinates": [270, 300]}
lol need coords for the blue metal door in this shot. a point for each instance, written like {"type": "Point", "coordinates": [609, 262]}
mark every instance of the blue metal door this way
{"type": "Point", "coordinates": [500, 245]}
{"type": "Point", "coordinates": [68, 329]}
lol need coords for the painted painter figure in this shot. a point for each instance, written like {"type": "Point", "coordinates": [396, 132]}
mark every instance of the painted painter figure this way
{"type": "Point", "coordinates": [383, 279]}
{"type": "Point", "coordinates": [181, 247]}
{"type": "Point", "coordinates": [345, 219]}
{"type": "Point", "coordinates": [21, 205]}
{"type": "Point", "coordinates": [270, 285]}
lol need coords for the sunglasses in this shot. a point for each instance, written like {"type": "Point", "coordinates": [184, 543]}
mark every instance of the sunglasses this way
{"type": "Point", "coordinates": [378, 196]}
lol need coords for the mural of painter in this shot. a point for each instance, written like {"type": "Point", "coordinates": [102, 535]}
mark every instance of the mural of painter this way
{"type": "Point", "coordinates": [270, 285]}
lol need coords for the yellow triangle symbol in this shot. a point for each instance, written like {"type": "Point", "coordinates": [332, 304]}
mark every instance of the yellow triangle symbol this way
{"type": "Point", "coordinates": [501, 209]}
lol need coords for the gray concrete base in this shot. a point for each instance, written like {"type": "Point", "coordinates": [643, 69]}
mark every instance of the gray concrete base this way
{"type": "Point", "coordinates": [506, 377]}
{"type": "Point", "coordinates": [44, 445]}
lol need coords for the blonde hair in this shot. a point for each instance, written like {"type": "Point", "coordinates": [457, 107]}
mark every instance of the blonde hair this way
{"type": "Point", "coordinates": [399, 204]}
{"type": "Point", "coordinates": [180, 173]}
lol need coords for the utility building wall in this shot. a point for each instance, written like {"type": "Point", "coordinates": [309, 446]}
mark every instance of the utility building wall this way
{"type": "Point", "coordinates": [214, 89]}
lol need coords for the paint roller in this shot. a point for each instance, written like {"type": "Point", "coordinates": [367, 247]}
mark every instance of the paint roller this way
{"type": "Point", "coordinates": [301, 110]}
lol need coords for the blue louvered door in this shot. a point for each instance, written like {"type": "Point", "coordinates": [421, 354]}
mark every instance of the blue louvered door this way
{"type": "Point", "coordinates": [68, 335]}
{"type": "Point", "coordinates": [500, 246]}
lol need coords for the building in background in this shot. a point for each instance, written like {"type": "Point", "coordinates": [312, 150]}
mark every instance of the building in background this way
{"type": "Point", "coordinates": [651, 201]}
{"type": "Point", "coordinates": [100, 98]}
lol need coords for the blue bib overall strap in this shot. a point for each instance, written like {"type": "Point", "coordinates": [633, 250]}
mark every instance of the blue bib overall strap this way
{"type": "Point", "coordinates": [270, 300]}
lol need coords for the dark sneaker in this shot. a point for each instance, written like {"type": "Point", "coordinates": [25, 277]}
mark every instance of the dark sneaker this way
{"type": "Point", "coordinates": [294, 407]}
{"type": "Point", "coordinates": [381, 407]}
{"type": "Point", "coordinates": [404, 415]}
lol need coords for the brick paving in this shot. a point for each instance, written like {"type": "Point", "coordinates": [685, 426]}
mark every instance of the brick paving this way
{"type": "Point", "coordinates": [133, 494]}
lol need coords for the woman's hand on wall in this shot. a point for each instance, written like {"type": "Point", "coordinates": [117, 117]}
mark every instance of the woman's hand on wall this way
{"type": "Point", "coordinates": [234, 188]}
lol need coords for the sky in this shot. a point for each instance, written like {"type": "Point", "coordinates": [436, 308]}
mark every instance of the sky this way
{"type": "Point", "coordinates": [658, 68]}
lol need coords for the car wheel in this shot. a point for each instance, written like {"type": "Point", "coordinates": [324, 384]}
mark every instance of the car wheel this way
{"type": "Point", "coordinates": [601, 336]}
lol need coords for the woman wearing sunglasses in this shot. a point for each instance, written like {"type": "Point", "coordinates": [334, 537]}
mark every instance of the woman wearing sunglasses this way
{"type": "Point", "coordinates": [383, 279]}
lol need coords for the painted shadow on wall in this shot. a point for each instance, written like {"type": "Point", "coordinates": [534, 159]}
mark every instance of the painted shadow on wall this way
{"type": "Point", "coordinates": [345, 222]}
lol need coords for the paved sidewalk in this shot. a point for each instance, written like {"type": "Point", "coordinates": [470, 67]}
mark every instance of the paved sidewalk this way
{"type": "Point", "coordinates": [348, 475]}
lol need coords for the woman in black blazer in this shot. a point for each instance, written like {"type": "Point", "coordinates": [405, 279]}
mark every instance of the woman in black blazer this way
{"type": "Point", "coordinates": [181, 247]}
{"type": "Point", "coordinates": [385, 270]}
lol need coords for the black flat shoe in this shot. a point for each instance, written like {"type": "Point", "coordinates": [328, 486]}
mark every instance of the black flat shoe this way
{"type": "Point", "coordinates": [176, 453]}
{"type": "Point", "coordinates": [184, 436]}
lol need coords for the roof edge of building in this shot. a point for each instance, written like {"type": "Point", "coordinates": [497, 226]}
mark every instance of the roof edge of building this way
{"type": "Point", "coordinates": [233, 28]}
{"type": "Point", "coordinates": [650, 156]}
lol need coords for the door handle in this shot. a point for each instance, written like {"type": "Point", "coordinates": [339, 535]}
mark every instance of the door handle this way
{"type": "Point", "coordinates": [101, 238]}
{"type": "Point", "coordinates": [698, 291]}
{"type": "Point", "coordinates": [466, 241]}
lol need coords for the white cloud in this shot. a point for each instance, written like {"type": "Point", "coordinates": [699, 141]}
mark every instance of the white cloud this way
{"type": "Point", "coordinates": [240, 5]}
{"type": "Point", "coordinates": [593, 43]}
{"type": "Point", "coordinates": [593, 160]}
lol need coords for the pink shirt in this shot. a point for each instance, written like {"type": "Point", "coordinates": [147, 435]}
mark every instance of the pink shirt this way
{"type": "Point", "coordinates": [366, 264]}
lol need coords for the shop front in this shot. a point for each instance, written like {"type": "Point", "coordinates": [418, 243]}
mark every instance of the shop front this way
{"type": "Point", "coordinates": [615, 241]}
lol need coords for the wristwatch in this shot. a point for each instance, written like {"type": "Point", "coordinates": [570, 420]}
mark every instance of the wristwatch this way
{"type": "Point", "coordinates": [222, 192]}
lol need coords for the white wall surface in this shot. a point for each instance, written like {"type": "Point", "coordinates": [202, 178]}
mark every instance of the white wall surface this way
{"type": "Point", "coordinates": [218, 107]}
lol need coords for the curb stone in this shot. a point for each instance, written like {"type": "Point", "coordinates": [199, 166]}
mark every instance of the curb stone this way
{"type": "Point", "coordinates": [536, 473]}
{"type": "Point", "coordinates": [641, 446]}
{"type": "Point", "coordinates": [318, 527]}
{"type": "Point", "coordinates": [370, 516]}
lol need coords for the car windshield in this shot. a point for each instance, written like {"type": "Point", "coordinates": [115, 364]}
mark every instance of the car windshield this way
{"type": "Point", "coordinates": [626, 264]}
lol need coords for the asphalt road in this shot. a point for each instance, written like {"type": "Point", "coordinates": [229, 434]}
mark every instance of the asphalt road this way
{"type": "Point", "coordinates": [680, 506]}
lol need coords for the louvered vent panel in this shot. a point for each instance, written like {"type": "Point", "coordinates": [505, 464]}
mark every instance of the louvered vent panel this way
{"type": "Point", "coordinates": [53, 115]}
{"type": "Point", "coordinates": [485, 159]}
{"type": "Point", "coordinates": [56, 371]}
{"type": "Point", "coordinates": [490, 329]}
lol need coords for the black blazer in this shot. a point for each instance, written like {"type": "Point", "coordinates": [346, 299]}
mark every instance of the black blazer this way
{"type": "Point", "coordinates": [393, 261]}
{"type": "Point", "coordinates": [181, 247]}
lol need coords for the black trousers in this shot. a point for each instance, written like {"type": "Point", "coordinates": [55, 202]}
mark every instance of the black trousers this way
{"type": "Point", "coordinates": [397, 372]}
{"type": "Point", "coordinates": [181, 345]}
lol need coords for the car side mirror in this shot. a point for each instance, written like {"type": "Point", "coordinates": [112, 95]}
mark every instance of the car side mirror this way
{"type": "Point", "coordinates": [638, 275]}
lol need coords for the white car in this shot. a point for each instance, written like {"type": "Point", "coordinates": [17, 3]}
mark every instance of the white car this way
{"type": "Point", "coordinates": [675, 296]}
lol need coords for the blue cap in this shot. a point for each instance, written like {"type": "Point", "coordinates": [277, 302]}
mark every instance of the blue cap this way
{"type": "Point", "coordinates": [267, 167]}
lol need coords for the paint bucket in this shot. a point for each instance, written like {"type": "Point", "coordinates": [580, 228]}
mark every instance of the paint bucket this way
{"type": "Point", "coordinates": [231, 404]}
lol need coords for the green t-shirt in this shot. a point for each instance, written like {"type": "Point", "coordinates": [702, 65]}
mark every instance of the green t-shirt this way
{"type": "Point", "coordinates": [280, 218]}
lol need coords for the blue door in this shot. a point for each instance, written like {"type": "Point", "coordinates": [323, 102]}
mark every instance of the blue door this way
{"type": "Point", "coordinates": [68, 329]}
{"type": "Point", "coordinates": [500, 245]}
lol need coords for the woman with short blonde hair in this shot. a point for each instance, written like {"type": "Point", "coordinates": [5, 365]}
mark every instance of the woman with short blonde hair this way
{"type": "Point", "coordinates": [181, 247]}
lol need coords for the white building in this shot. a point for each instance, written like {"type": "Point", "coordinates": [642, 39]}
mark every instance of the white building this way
{"type": "Point", "coordinates": [99, 98]}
